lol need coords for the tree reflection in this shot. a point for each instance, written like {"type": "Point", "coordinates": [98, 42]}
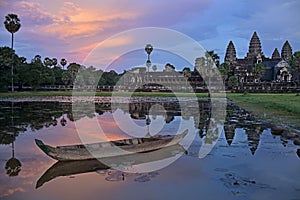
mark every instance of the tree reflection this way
{"type": "Point", "coordinates": [13, 165]}
{"type": "Point", "coordinates": [19, 117]}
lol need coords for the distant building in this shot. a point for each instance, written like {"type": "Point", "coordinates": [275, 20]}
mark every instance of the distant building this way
{"type": "Point", "coordinates": [276, 68]}
{"type": "Point", "coordinates": [275, 74]}
{"type": "Point", "coordinates": [166, 80]}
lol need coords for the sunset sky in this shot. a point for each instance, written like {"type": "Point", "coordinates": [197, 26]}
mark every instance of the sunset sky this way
{"type": "Point", "coordinates": [71, 29]}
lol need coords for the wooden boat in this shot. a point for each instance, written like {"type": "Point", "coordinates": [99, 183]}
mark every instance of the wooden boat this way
{"type": "Point", "coordinates": [111, 148]}
{"type": "Point", "coordinates": [67, 168]}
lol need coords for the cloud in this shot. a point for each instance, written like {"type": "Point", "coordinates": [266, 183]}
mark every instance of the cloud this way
{"type": "Point", "coordinates": [10, 191]}
{"type": "Point", "coordinates": [32, 14]}
{"type": "Point", "coordinates": [71, 28]}
{"type": "Point", "coordinates": [69, 9]}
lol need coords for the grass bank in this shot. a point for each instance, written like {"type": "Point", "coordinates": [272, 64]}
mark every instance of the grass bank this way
{"type": "Point", "coordinates": [69, 93]}
{"type": "Point", "coordinates": [279, 108]}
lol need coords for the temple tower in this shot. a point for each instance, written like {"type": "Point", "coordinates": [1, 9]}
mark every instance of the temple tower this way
{"type": "Point", "coordinates": [275, 54]}
{"type": "Point", "coordinates": [286, 51]}
{"type": "Point", "coordinates": [254, 47]}
{"type": "Point", "coordinates": [230, 55]}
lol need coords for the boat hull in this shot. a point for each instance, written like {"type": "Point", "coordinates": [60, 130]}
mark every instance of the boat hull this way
{"type": "Point", "coordinates": [109, 149]}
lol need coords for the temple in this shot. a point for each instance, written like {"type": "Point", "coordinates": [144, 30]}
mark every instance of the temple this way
{"type": "Point", "coordinates": [274, 69]}
{"type": "Point", "coordinates": [254, 73]}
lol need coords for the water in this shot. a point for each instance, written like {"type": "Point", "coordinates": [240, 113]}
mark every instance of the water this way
{"type": "Point", "coordinates": [247, 162]}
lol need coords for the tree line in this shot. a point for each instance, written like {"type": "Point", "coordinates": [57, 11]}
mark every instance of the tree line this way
{"type": "Point", "coordinates": [39, 72]}
{"type": "Point", "coordinates": [48, 72]}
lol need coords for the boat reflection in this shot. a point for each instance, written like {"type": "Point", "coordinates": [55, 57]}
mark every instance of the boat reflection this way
{"type": "Point", "coordinates": [67, 168]}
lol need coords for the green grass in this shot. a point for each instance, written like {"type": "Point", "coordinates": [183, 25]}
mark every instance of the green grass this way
{"type": "Point", "coordinates": [34, 94]}
{"type": "Point", "coordinates": [69, 93]}
{"type": "Point", "coordinates": [279, 108]}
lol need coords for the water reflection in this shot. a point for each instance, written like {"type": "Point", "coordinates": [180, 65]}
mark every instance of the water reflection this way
{"type": "Point", "coordinates": [13, 165]}
{"type": "Point", "coordinates": [127, 163]}
{"type": "Point", "coordinates": [18, 117]}
{"type": "Point", "coordinates": [246, 151]}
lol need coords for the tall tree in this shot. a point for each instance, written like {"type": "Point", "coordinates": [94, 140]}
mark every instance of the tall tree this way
{"type": "Point", "coordinates": [205, 66]}
{"type": "Point", "coordinates": [5, 67]}
{"type": "Point", "coordinates": [37, 59]}
{"type": "Point", "coordinates": [72, 71]}
{"type": "Point", "coordinates": [47, 62]}
{"type": "Point", "coordinates": [154, 68]}
{"type": "Point", "coordinates": [215, 57]}
{"type": "Point", "coordinates": [224, 70]}
{"type": "Point", "coordinates": [12, 25]}
{"type": "Point", "coordinates": [54, 61]}
{"type": "Point", "coordinates": [63, 62]}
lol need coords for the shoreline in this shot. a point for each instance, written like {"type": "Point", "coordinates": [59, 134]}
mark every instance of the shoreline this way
{"type": "Point", "coordinates": [280, 109]}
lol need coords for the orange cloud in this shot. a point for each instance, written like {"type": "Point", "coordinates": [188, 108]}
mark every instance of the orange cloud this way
{"type": "Point", "coordinates": [70, 20]}
{"type": "Point", "coordinates": [117, 41]}
{"type": "Point", "coordinates": [65, 30]}
{"type": "Point", "coordinates": [75, 21]}
{"type": "Point", "coordinates": [87, 48]}
{"type": "Point", "coordinates": [106, 52]}
{"type": "Point", "coordinates": [10, 191]}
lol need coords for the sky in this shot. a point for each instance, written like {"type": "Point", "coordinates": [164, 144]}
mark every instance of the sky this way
{"type": "Point", "coordinates": [72, 29]}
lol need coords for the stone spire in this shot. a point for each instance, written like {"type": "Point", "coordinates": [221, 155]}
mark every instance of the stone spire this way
{"type": "Point", "coordinates": [275, 54]}
{"type": "Point", "coordinates": [230, 55]}
{"type": "Point", "coordinates": [286, 51]}
{"type": "Point", "coordinates": [254, 47]}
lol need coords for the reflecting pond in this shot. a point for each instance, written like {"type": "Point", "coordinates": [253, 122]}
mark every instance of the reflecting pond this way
{"type": "Point", "coordinates": [250, 160]}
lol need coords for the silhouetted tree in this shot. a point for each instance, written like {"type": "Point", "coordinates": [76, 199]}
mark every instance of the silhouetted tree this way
{"type": "Point", "coordinates": [47, 62]}
{"type": "Point", "coordinates": [215, 57]}
{"type": "Point", "coordinates": [63, 62]}
{"type": "Point", "coordinates": [12, 25]}
{"type": "Point", "coordinates": [54, 61]}
{"type": "Point", "coordinates": [154, 68]}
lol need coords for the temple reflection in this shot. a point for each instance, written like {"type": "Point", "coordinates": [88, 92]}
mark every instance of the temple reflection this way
{"type": "Point", "coordinates": [18, 117]}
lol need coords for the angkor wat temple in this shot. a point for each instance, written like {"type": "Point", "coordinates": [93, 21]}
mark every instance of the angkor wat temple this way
{"type": "Point", "coordinates": [275, 74]}
{"type": "Point", "coordinates": [276, 68]}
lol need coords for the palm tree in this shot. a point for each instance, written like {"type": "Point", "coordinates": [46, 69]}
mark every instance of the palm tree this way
{"type": "Point", "coordinates": [37, 59]}
{"type": "Point", "coordinates": [54, 61]}
{"type": "Point", "coordinates": [47, 62]}
{"type": "Point", "coordinates": [215, 57]}
{"type": "Point", "coordinates": [63, 62]}
{"type": "Point", "coordinates": [154, 68]}
{"type": "Point", "coordinates": [12, 25]}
